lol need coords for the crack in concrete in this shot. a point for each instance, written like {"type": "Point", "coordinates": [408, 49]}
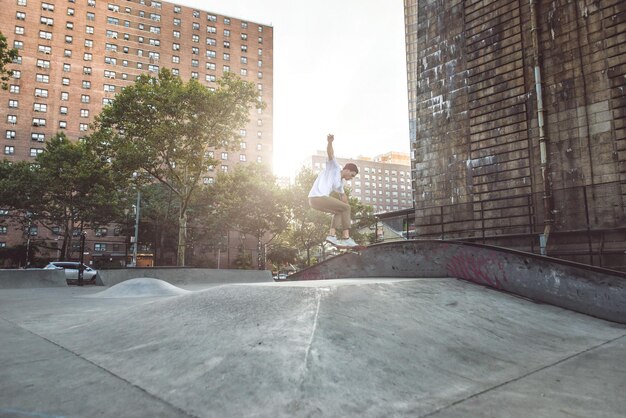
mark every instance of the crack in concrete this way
{"type": "Point", "coordinates": [518, 378]}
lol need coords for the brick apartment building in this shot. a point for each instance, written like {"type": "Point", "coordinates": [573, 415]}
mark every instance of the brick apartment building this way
{"type": "Point", "coordinates": [518, 129]}
{"type": "Point", "coordinates": [75, 56]}
{"type": "Point", "coordinates": [383, 182]}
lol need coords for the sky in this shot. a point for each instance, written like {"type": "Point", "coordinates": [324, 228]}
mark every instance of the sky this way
{"type": "Point", "coordinates": [339, 67]}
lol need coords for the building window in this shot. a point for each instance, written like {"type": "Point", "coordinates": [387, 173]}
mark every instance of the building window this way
{"type": "Point", "coordinates": [42, 78]}
{"type": "Point", "coordinates": [20, 16]}
{"type": "Point", "coordinates": [226, 33]}
{"type": "Point", "coordinates": [210, 66]}
{"type": "Point", "coordinates": [84, 98]}
{"type": "Point", "coordinates": [87, 56]}
{"type": "Point", "coordinates": [89, 30]}
{"type": "Point", "coordinates": [38, 137]}
{"type": "Point", "coordinates": [210, 78]}
{"type": "Point", "coordinates": [83, 127]}
{"type": "Point", "coordinates": [242, 157]}
{"type": "Point", "coordinates": [40, 107]}
{"type": "Point", "coordinates": [67, 68]}
{"type": "Point", "coordinates": [99, 247]}
{"type": "Point", "coordinates": [226, 56]}
{"type": "Point", "coordinates": [45, 35]}
{"type": "Point", "coordinates": [13, 103]}
{"type": "Point", "coordinates": [63, 110]}
{"type": "Point", "coordinates": [35, 152]}
{"type": "Point", "coordinates": [65, 81]}
{"type": "Point", "coordinates": [84, 113]}
{"type": "Point", "coordinates": [14, 88]}
{"type": "Point", "coordinates": [44, 49]}
{"type": "Point", "coordinates": [41, 93]}
{"type": "Point", "coordinates": [4, 229]}
{"type": "Point", "coordinates": [10, 135]}
{"type": "Point", "coordinates": [19, 30]}
{"type": "Point", "coordinates": [62, 124]}
{"type": "Point", "coordinates": [8, 150]}
{"type": "Point", "coordinates": [243, 72]}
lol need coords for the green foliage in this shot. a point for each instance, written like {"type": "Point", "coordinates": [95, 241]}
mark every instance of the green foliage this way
{"type": "Point", "coordinates": [165, 127]}
{"type": "Point", "coordinates": [362, 217]}
{"type": "Point", "coordinates": [250, 201]}
{"type": "Point", "coordinates": [67, 185]}
{"type": "Point", "coordinates": [7, 56]}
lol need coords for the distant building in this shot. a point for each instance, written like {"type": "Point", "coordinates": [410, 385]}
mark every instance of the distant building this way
{"type": "Point", "coordinates": [75, 56]}
{"type": "Point", "coordinates": [383, 182]}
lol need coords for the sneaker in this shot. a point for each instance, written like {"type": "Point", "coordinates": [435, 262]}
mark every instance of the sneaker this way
{"type": "Point", "coordinates": [348, 242]}
{"type": "Point", "coordinates": [332, 239]}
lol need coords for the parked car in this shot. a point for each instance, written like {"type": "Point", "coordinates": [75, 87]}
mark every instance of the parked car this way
{"type": "Point", "coordinates": [282, 276]}
{"type": "Point", "coordinates": [71, 270]}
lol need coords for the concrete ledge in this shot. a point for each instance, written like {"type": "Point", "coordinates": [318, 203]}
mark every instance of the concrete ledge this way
{"type": "Point", "coordinates": [578, 287]}
{"type": "Point", "coordinates": [185, 276]}
{"type": "Point", "coordinates": [31, 278]}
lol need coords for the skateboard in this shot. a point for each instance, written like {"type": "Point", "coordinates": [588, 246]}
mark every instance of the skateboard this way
{"type": "Point", "coordinates": [348, 249]}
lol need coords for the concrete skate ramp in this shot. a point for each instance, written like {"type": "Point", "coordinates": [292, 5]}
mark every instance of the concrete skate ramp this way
{"type": "Point", "coordinates": [31, 278]}
{"type": "Point", "coordinates": [179, 276]}
{"type": "Point", "coordinates": [142, 287]}
{"type": "Point", "coordinates": [590, 290]}
{"type": "Point", "coordinates": [361, 348]}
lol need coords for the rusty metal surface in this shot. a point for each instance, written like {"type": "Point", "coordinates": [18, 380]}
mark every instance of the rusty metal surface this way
{"type": "Point", "coordinates": [581, 288]}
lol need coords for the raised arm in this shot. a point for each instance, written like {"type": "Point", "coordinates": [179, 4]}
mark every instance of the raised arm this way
{"type": "Point", "coordinates": [329, 148]}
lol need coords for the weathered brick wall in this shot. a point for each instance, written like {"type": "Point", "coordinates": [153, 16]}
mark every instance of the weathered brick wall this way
{"type": "Point", "coordinates": [473, 115]}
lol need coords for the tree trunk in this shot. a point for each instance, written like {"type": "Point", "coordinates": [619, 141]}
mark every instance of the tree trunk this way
{"type": "Point", "coordinates": [182, 239]}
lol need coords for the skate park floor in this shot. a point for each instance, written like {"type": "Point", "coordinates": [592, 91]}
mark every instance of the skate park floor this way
{"type": "Point", "coordinates": [437, 347]}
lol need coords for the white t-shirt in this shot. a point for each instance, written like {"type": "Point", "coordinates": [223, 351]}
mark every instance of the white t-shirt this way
{"type": "Point", "coordinates": [328, 181]}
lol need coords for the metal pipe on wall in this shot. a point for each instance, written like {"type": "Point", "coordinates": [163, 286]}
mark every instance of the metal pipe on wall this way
{"type": "Point", "coordinates": [545, 175]}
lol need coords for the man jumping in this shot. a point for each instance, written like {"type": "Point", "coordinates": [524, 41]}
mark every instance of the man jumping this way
{"type": "Point", "coordinates": [332, 179]}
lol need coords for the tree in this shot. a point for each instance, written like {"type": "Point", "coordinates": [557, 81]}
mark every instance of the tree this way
{"type": "Point", "coordinates": [167, 128]}
{"type": "Point", "coordinates": [362, 217]}
{"type": "Point", "coordinates": [248, 200]}
{"type": "Point", "coordinates": [68, 186]}
{"type": "Point", "coordinates": [7, 56]}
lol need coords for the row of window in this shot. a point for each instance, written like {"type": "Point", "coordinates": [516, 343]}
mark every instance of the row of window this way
{"type": "Point", "coordinates": [41, 122]}
{"type": "Point", "coordinates": [10, 150]}
{"type": "Point", "coordinates": [49, 7]}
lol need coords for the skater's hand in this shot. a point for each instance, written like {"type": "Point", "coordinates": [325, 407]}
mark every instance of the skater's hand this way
{"type": "Point", "coordinates": [330, 138]}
